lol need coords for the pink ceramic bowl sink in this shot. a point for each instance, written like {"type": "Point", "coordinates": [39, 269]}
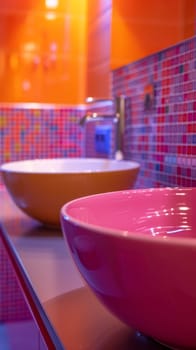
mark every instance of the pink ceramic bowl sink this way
{"type": "Point", "coordinates": [136, 250]}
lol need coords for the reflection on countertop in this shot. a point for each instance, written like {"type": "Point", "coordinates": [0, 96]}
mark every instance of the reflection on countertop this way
{"type": "Point", "coordinates": [87, 325]}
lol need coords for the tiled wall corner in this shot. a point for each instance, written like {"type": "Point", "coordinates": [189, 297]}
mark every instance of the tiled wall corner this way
{"type": "Point", "coordinates": [162, 137]}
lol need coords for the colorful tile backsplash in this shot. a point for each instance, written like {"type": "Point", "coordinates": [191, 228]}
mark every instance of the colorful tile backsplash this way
{"type": "Point", "coordinates": [13, 306]}
{"type": "Point", "coordinates": [39, 132]}
{"type": "Point", "coordinates": [161, 124]}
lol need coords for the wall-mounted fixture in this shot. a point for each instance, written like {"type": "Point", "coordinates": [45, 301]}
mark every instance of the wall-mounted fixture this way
{"type": "Point", "coordinates": [118, 117]}
{"type": "Point", "coordinates": [103, 138]}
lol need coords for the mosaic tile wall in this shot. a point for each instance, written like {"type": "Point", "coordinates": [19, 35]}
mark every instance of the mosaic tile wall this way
{"type": "Point", "coordinates": [13, 306]}
{"type": "Point", "coordinates": [160, 130]}
{"type": "Point", "coordinates": [18, 327]}
{"type": "Point", "coordinates": [39, 132]}
{"type": "Point", "coordinates": [161, 133]}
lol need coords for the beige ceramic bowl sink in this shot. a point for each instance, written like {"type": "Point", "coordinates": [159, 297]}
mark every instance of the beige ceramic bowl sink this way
{"type": "Point", "coordinates": [40, 187]}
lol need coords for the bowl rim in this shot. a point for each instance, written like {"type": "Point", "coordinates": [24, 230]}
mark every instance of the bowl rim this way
{"type": "Point", "coordinates": [127, 235]}
{"type": "Point", "coordinates": [12, 166]}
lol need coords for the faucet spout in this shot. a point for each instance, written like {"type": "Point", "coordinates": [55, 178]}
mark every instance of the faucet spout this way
{"type": "Point", "coordinates": [87, 117]}
{"type": "Point", "coordinates": [94, 115]}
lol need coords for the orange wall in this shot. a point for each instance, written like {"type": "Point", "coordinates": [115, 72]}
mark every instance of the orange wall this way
{"type": "Point", "coordinates": [189, 11]}
{"type": "Point", "coordinates": [68, 57]}
{"type": "Point", "coordinates": [98, 47]}
{"type": "Point", "coordinates": [140, 28]}
{"type": "Point", "coordinates": [42, 52]}
{"type": "Point", "coordinates": [123, 31]}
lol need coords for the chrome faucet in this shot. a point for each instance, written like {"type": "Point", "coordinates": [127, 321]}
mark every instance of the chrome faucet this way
{"type": "Point", "coordinates": [118, 116]}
